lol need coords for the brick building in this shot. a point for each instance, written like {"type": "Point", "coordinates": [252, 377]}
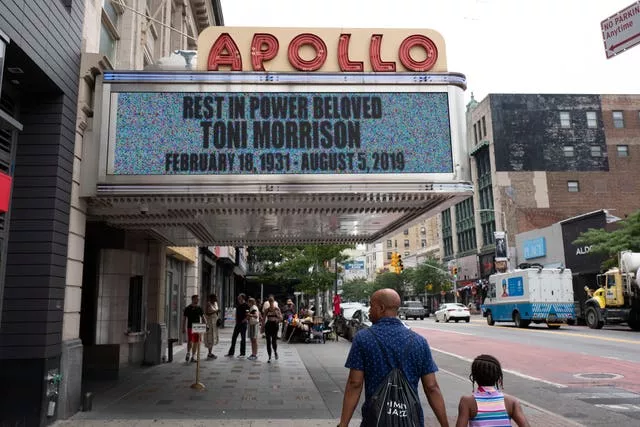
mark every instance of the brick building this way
{"type": "Point", "coordinates": [537, 159]}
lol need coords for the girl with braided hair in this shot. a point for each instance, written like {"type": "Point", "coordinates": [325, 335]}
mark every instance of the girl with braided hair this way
{"type": "Point", "coordinates": [488, 406]}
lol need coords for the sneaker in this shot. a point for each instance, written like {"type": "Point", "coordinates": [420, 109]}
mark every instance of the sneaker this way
{"type": "Point", "coordinates": [269, 361]}
{"type": "Point", "coordinates": [186, 359]}
{"type": "Point", "coordinates": [193, 359]}
{"type": "Point", "coordinates": [276, 354]}
{"type": "Point", "coordinates": [252, 357]}
{"type": "Point", "coordinates": [240, 356]}
{"type": "Point", "coordinates": [210, 356]}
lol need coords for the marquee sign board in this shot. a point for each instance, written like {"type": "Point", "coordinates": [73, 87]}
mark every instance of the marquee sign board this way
{"type": "Point", "coordinates": [284, 132]}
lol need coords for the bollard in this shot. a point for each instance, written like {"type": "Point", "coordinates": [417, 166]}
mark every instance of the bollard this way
{"type": "Point", "coordinates": [170, 348]}
{"type": "Point", "coordinates": [87, 402]}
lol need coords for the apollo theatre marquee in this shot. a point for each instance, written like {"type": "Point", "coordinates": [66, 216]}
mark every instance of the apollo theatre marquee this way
{"type": "Point", "coordinates": [282, 136]}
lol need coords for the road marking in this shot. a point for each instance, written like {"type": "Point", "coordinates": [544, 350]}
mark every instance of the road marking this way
{"type": "Point", "coordinates": [522, 402]}
{"type": "Point", "coordinates": [510, 371]}
{"type": "Point", "coordinates": [569, 334]}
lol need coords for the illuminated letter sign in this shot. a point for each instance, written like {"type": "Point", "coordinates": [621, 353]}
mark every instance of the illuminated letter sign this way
{"type": "Point", "coordinates": [320, 49]}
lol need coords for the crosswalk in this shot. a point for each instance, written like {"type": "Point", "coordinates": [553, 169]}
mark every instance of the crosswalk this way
{"type": "Point", "coordinates": [611, 399]}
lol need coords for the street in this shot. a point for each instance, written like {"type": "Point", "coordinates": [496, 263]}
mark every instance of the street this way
{"type": "Point", "coordinates": [572, 376]}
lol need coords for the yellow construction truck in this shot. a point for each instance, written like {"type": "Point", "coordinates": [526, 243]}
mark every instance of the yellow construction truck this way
{"type": "Point", "coordinates": [617, 299]}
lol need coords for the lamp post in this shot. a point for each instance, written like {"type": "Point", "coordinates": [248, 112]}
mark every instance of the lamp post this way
{"type": "Point", "coordinates": [504, 229]}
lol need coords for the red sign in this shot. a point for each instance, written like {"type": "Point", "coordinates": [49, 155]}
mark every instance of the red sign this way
{"type": "Point", "coordinates": [5, 192]}
{"type": "Point", "coordinates": [266, 46]}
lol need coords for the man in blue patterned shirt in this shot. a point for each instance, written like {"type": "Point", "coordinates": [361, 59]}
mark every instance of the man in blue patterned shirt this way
{"type": "Point", "coordinates": [368, 365]}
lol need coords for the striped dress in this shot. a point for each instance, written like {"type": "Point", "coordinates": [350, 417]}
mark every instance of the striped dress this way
{"type": "Point", "coordinates": [491, 409]}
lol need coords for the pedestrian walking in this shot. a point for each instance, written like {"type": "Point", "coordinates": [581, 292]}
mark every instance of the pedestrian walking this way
{"type": "Point", "coordinates": [273, 317]}
{"type": "Point", "coordinates": [242, 312]}
{"type": "Point", "coordinates": [488, 405]}
{"type": "Point", "coordinates": [211, 314]}
{"type": "Point", "coordinates": [192, 314]}
{"type": "Point", "coordinates": [288, 311]}
{"type": "Point", "coordinates": [389, 342]}
{"type": "Point", "coordinates": [254, 325]}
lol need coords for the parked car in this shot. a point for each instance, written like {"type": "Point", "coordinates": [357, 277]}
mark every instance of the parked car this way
{"type": "Point", "coordinates": [413, 309]}
{"type": "Point", "coordinates": [453, 311]}
{"type": "Point", "coordinates": [358, 321]}
{"type": "Point", "coordinates": [340, 323]}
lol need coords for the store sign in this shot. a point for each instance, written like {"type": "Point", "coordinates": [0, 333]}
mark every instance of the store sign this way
{"type": "Point", "coordinates": [354, 265]}
{"type": "Point", "coordinates": [579, 258]}
{"type": "Point", "coordinates": [320, 49]}
{"type": "Point", "coordinates": [535, 248]}
{"type": "Point", "coordinates": [249, 133]}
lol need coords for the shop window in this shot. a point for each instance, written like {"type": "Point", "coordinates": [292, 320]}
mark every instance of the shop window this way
{"type": "Point", "coordinates": [565, 119]}
{"type": "Point", "coordinates": [622, 150]}
{"type": "Point", "coordinates": [592, 120]}
{"type": "Point", "coordinates": [573, 186]}
{"type": "Point", "coordinates": [618, 120]}
{"type": "Point", "coordinates": [596, 151]}
{"type": "Point", "coordinates": [134, 322]}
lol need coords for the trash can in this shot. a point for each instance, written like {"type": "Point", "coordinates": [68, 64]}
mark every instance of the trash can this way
{"type": "Point", "coordinates": [87, 402]}
{"type": "Point", "coordinates": [170, 348]}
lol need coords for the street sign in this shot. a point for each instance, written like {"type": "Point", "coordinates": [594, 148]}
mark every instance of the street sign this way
{"type": "Point", "coordinates": [339, 282]}
{"type": "Point", "coordinates": [621, 30]}
{"type": "Point", "coordinates": [199, 328]}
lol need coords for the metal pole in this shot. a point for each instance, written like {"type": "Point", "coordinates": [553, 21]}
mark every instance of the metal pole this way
{"type": "Point", "coordinates": [198, 385]}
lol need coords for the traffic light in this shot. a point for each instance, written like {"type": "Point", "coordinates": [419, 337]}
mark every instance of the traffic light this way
{"type": "Point", "coordinates": [400, 266]}
{"type": "Point", "coordinates": [454, 270]}
{"type": "Point", "coordinates": [395, 261]}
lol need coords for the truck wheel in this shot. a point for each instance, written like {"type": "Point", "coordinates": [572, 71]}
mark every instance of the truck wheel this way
{"type": "Point", "coordinates": [553, 326]}
{"type": "Point", "coordinates": [519, 322]}
{"type": "Point", "coordinates": [422, 318]}
{"type": "Point", "coordinates": [634, 319]}
{"type": "Point", "coordinates": [490, 320]}
{"type": "Point", "coordinates": [593, 318]}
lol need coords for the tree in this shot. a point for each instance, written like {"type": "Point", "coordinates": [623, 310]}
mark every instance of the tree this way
{"type": "Point", "coordinates": [430, 272]}
{"type": "Point", "coordinates": [625, 237]}
{"type": "Point", "coordinates": [391, 280]}
{"type": "Point", "coordinates": [356, 290]}
{"type": "Point", "coordinates": [307, 266]}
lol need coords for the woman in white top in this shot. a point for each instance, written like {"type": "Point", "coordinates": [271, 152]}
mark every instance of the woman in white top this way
{"type": "Point", "coordinates": [254, 325]}
{"type": "Point", "coordinates": [211, 314]}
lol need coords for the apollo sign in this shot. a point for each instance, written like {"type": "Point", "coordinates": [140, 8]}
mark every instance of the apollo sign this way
{"type": "Point", "coordinates": [320, 49]}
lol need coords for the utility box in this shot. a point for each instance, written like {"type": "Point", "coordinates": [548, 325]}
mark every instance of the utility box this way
{"type": "Point", "coordinates": [153, 345]}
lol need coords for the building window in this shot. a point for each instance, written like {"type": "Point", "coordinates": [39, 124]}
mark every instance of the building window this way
{"type": "Point", "coordinates": [134, 321]}
{"type": "Point", "coordinates": [389, 254]}
{"type": "Point", "coordinates": [623, 150]}
{"type": "Point", "coordinates": [395, 243]}
{"type": "Point", "coordinates": [568, 151]}
{"type": "Point", "coordinates": [592, 120]}
{"type": "Point", "coordinates": [475, 133]}
{"type": "Point", "coordinates": [109, 34]}
{"type": "Point", "coordinates": [465, 226]}
{"type": "Point", "coordinates": [565, 119]}
{"type": "Point", "coordinates": [406, 244]}
{"type": "Point", "coordinates": [447, 238]}
{"type": "Point", "coordinates": [596, 151]}
{"type": "Point", "coordinates": [423, 243]}
{"type": "Point", "coordinates": [389, 244]}
{"type": "Point", "coordinates": [423, 230]}
{"type": "Point", "coordinates": [406, 232]}
{"type": "Point", "coordinates": [573, 186]}
{"type": "Point", "coordinates": [618, 120]}
{"type": "Point", "coordinates": [406, 254]}
{"type": "Point", "coordinates": [484, 127]}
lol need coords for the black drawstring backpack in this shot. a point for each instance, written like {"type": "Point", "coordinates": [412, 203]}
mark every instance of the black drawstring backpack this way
{"type": "Point", "coordinates": [395, 403]}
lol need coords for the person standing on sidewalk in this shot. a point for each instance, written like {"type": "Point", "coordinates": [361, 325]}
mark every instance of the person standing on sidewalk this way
{"type": "Point", "coordinates": [211, 315]}
{"type": "Point", "coordinates": [288, 311]}
{"type": "Point", "coordinates": [254, 325]}
{"type": "Point", "coordinates": [242, 312]}
{"type": "Point", "coordinates": [368, 365]}
{"type": "Point", "coordinates": [192, 314]}
{"type": "Point", "coordinates": [273, 316]}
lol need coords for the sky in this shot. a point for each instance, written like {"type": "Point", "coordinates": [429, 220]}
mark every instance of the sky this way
{"type": "Point", "coordinates": [502, 46]}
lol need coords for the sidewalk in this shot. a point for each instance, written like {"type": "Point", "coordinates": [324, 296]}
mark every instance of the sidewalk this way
{"type": "Point", "coordinates": [304, 388]}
